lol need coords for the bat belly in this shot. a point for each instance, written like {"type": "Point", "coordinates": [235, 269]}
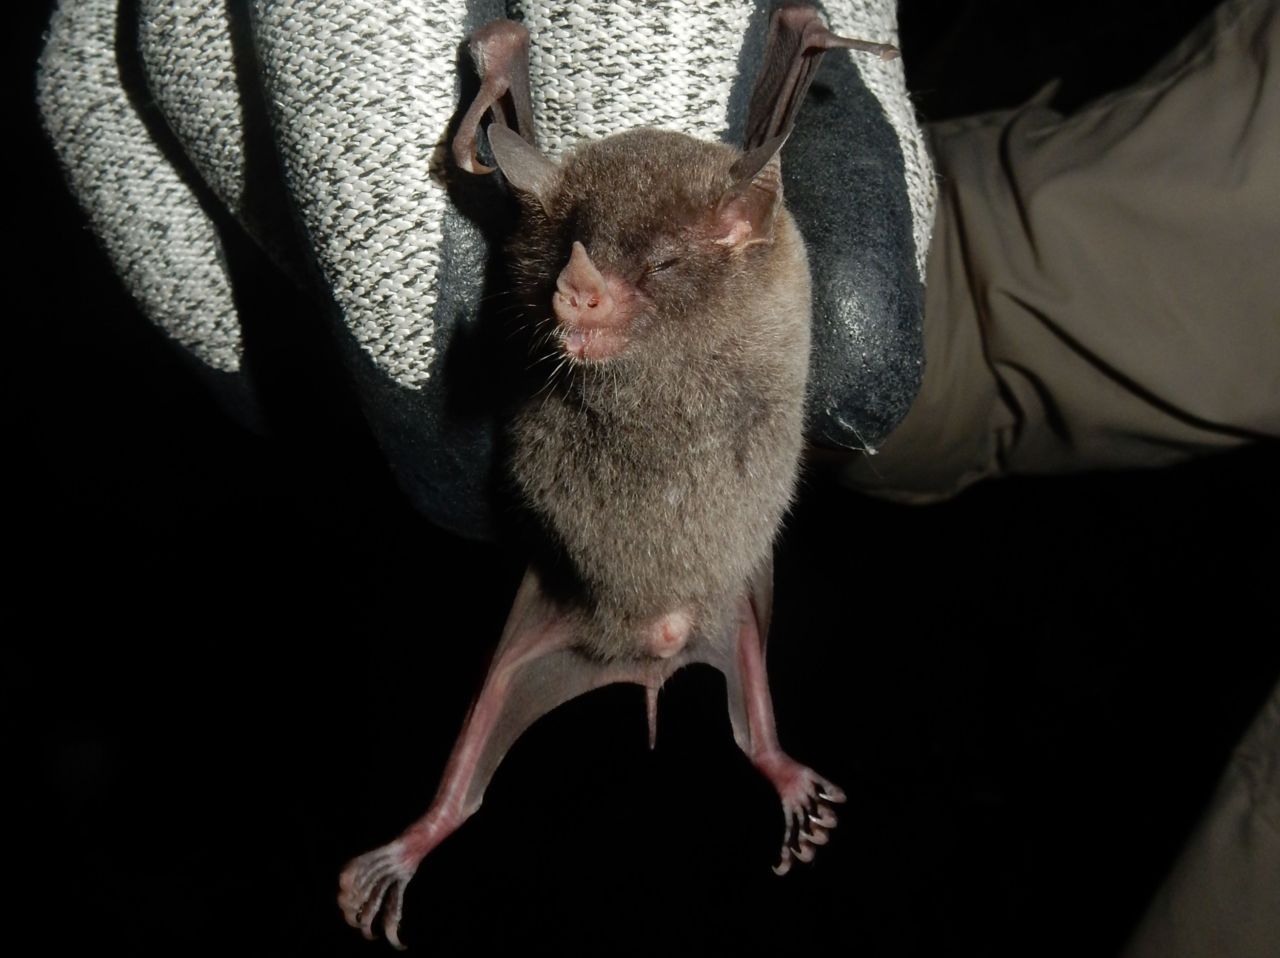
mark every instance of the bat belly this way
{"type": "Point", "coordinates": [655, 521]}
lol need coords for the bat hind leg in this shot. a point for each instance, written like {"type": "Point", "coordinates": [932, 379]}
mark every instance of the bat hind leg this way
{"type": "Point", "coordinates": [807, 798]}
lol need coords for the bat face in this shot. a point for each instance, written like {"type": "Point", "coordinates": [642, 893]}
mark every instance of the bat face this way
{"type": "Point", "coordinates": [634, 250]}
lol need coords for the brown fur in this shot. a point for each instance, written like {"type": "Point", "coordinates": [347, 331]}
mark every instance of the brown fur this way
{"type": "Point", "coordinates": [664, 473]}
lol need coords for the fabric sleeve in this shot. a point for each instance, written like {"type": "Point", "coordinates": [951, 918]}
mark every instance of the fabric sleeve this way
{"type": "Point", "coordinates": [1103, 290]}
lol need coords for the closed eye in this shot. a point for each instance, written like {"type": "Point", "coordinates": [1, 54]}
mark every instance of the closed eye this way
{"type": "Point", "coordinates": [665, 264]}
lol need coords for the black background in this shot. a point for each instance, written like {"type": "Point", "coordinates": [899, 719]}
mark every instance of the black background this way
{"type": "Point", "coordinates": [235, 661]}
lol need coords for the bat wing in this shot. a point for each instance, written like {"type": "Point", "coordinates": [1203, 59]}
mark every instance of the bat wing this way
{"type": "Point", "coordinates": [726, 655]}
{"type": "Point", "coordinates": [500, 51]}
{"type": "Point", "coordinates": [534, 669]}
{"type": "Point", "coordinates": [798, 37]}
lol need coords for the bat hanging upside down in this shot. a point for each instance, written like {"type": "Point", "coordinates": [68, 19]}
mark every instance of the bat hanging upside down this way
{"type": "Point", "coordinates": [670, 290]}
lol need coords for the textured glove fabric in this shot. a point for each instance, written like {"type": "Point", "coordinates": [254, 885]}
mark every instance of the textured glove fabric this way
{"type": "Point", "coordinates": [351, 102]}
{"type": "Point", "coordinates": [142, 206]}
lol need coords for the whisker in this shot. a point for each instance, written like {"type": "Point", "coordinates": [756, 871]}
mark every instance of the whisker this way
{"type": "Point", "coordinates": [540, 357]}
{"type": "Point", "coordinates": [551, 380]}
{"type": "Point", "coordinates": [518, 325]}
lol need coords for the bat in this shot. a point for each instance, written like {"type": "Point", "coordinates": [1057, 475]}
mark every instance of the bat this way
{"type": "Point", "coordinates": [669, 294]}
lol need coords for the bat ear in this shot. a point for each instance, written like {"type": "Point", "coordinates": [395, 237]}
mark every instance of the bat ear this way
{"type": "Point", "coordinates": [746, 212]}
{"type": "Point", "coordinates": [525, 168]}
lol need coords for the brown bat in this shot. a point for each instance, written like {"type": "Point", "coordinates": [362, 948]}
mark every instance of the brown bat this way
{"type": "Point", "coordinates": [671, 290]}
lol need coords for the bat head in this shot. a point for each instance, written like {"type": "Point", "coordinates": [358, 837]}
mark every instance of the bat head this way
{"type": "Point", "coordinates": [651, 245]}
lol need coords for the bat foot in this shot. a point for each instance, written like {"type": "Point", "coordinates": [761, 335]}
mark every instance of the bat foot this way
{"type": "Point", "coordinates": [807, 800]}
{"type": "Point", "coordinates": [374, 885]}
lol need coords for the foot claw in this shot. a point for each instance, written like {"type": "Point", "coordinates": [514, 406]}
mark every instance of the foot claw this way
{"type": "Point", "coordinates": [391, 916]}
{"type": "Point", "coordinates": [823, 817]}
{"type": "Point", "coordinates": [815, 837]}
{"type": "Point", "coordinates": [807, 817]}
{"type": "Point", "coordinates": [374, 884]}
{"type": "Point", "coordinates": [784, 864]}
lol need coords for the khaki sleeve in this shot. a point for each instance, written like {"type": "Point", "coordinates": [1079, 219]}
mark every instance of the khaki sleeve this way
{"type": "Point", "coordinates": [1223, 896]}
{"type": "Point", "coordinates": [1104, 288]}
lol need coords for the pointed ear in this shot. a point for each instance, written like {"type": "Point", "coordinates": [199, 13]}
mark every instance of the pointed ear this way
{"type": "Point", "coordinates": [746, 212]}
{"type": "Point", "coordinates": [524, 166]}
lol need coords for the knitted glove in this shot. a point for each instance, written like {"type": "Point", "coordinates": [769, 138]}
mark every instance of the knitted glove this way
{"type": "Point", "coordinates": [353, 99]}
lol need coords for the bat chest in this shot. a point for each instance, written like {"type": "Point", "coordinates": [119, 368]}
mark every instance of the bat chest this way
{"type": "Point", "coordinates": [655, 508]}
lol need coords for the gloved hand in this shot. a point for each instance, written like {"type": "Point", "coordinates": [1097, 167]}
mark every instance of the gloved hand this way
{"type": "Point", "coordinates": [355, 100]}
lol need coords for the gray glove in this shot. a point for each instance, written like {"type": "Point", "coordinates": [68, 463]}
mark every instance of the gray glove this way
{"type": "Point", "coordinates": [355, 98]}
